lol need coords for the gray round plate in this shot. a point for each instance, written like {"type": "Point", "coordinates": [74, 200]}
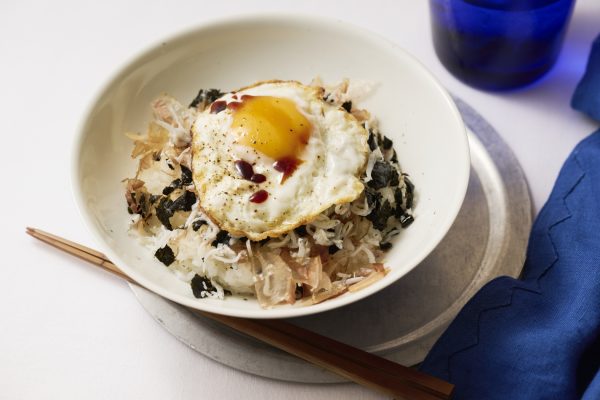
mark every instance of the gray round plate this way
{"type": "Point", "coordinates": [403, 321]}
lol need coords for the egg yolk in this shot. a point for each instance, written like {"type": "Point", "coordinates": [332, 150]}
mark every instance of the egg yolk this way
{"type": "Point", "coordinates": [271, 125]}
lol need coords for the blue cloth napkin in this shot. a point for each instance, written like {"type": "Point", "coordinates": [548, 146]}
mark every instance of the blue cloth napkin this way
{"type": "Point", "coordinates": [539, 337]}
{"type": "Point", "coordinates": [587, 94]}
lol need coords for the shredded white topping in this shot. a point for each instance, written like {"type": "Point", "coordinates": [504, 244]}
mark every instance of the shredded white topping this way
{"type": "Point", "coordinates": [365, 250]}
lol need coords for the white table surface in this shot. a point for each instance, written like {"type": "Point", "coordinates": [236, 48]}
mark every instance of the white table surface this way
{"type": "Point", "coordinates": [68, 331]}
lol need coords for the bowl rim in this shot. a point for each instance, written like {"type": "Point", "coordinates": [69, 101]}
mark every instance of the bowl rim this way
{"type": "Point", "coordinates": [276, 312]}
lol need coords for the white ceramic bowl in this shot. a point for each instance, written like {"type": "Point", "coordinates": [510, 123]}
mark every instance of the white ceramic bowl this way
{"type": "Point", "coordinates": [412, 107]}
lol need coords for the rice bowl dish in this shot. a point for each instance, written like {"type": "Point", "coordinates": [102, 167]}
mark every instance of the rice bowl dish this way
{"type": "Point", "coordinates": [412, 108]}
{"type": "Point", "coordinates": [281, 191]}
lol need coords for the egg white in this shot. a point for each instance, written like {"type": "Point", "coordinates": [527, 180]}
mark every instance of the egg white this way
{"type": "Point", "coordinates": [333, 160]}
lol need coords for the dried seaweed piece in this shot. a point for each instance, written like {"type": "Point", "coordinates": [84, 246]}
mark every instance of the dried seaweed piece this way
{"type": "Point", "coordinates": [176, 184]}
{"type": "Point", "coordinates": [347, 105]}
{"type": "Point", "coordinates": [202, 287]}
{"type": "Point", "coordinates": [380, 215]}
{"type": "Point", "coordinates": [153, 198]}
{"type": "Point", "coordinates": [409, 185]}
{"type": "Point", "coordinates": [198, 223]}
{"type": "Point", "coordinates": [373, 197]}
{"type": "Point", "coordinates": [406, 220]}
{"type": "Point", "coordinates": [164, 213]}
{"type": "Point", "coordinates": [183, 202]}
{"type": "Point", "coordinates": [385, 246]}
{"type": "Point", "coordinates": [299, 292]}
{"type": "Point", "coordinates": [372, 141]}
{"type": "Point", "coordinates": [394, 158]}
{"type": "Point", "coordinates": [143, 205]}
{"type": "Point", "coordinates": [200, 97]}
{"type": "Point", "coordinates": [410, 191]}
{"type": "Point", "coordinates": [166, 208]}
{"type": "Point", "coordinates": [300, 230]}
{"type": "Point", "coordinates": [205, 97]}
{"type": "Point", "coordinates": [186, 175]}
{"type": "Point", "coordinates": [383, 175]}
{"type": "Point", "coordinates": [222, 237]}
{"type": "Point", "coordinates": [332, 249]}
{"type": "Point", "coordinates": [213, 94]}
{"type": "Point", "coordinates": [387, 143]}
{"type": "Point", "coordinates": [398, 199]}
{"type": "Point", "coordinates": [165, 255]}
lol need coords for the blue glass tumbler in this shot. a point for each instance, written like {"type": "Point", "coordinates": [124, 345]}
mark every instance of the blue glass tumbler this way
{"type": "Point", "coordinates": [499, 44]}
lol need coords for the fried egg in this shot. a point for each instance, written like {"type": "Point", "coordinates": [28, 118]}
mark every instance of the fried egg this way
{"type": "Point", "coordinates": [273, 156]}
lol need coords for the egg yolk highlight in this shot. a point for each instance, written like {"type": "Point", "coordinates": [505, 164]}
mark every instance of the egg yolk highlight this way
{"type": "Point", "coordinates": [271, 125]}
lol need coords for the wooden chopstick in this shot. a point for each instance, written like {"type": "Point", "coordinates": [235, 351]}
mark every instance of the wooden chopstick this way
{"type": "Point", "coordinates": [78, 250]}
{"type": "Point", "coordinates": [354, 364]}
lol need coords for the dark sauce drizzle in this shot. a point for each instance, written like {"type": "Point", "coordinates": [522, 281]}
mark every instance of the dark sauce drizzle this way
{"type": "Point", "coordinates": [244, 168]}
{"type": "Point", "coordinates": [218, 106]}
{"type": "Point", "coordinates": [246, 171]}
{"type": "Point", "coordinates": [259, 196]}
{"type": "Point", "coordinates": [286, 166]}
{"type": "Point", "coordinates": [258, 178]}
